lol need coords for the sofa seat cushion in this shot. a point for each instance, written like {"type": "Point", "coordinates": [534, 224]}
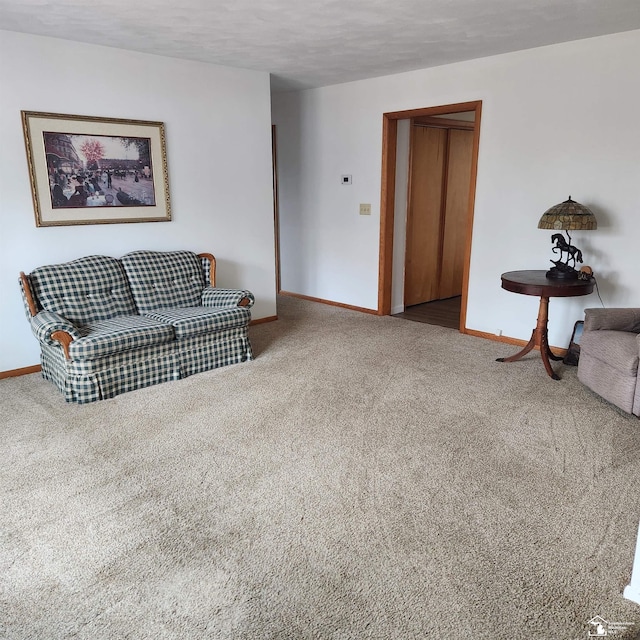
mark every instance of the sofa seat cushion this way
{"type": "Point", "coordinates": [195, 321]}
{"type": "Point", "coordinates": [123, 333]}
{"type": "Point", "coordinates": [619, 349]}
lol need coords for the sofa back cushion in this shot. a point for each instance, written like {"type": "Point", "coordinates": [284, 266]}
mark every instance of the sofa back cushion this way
{"type": "Point", "coordinates": [164, 279]}
{"type": "Point", "coordinates": [84, 290]}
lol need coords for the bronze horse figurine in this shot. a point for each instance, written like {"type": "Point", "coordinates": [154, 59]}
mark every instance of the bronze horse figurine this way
{"type": "Point", "coordinates": [563, 246]}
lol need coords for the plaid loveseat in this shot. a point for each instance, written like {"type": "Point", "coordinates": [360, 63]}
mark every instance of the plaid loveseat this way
{"type": "Point", "coordinates": [108, 325]}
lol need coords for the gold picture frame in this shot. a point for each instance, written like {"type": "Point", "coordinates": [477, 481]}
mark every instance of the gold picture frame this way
{"type": "Point", "coordinates": [91, 170]}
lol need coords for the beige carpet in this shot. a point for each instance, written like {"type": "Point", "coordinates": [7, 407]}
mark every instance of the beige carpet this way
{"type": "Point", "coordinates": [364, 477]}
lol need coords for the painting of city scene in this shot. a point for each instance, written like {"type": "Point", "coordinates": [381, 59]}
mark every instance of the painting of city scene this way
{"type": "Point", "coordinates": [96, 170]}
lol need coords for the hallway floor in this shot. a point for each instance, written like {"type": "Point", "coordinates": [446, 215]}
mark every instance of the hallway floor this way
{"type": "Point", "coordinates": [444, 313]}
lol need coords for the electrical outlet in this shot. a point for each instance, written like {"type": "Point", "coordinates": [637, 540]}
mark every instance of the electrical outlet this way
{"type": "Point", "coordinates": [365, 209]}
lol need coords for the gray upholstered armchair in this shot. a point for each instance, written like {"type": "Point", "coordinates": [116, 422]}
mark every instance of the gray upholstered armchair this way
{"type": "Point", "coordinates": [609, 353]}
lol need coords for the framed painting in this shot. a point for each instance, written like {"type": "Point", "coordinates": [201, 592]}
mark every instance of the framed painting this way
{"type": "Point", "coordinates": [89, 170]}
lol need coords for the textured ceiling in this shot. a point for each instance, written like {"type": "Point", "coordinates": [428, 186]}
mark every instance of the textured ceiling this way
{"type": "Point", "coordinates": [309, 44]}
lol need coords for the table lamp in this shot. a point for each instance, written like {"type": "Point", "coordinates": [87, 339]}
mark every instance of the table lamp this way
{"type": "Point", "coordinates": [566, 216]}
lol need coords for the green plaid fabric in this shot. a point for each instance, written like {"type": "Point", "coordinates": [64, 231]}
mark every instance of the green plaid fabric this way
{"type": "Point", "coordinates": [54, 368]}
{"type": "Point", "coordinates": [214, 297]}
{"type": "Point", "coordinates": [83, 291]}
{"type": "Point", "coordinates": [194, 321]}
{"type": "Point", "coordinates": [205, 352]}
{"type": "Point", "coordinates": [90, 380]}
{"type": "Point", "coordinates": [83, 381]}
{"type": "Point", "coordinates": [46, 322]}
{"type": "Point", "coordinates": [206, 270]}
{"type": "Point", "coordinates": [119, 334]}
{"type": "Point", "coordinates": [153, 318]}
{"type": "Point", "coordinates": [164, 279]}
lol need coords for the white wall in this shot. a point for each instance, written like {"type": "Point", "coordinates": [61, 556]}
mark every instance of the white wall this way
{"type": "Point", "coordinates": [556, 121]}
{"type": "Point", "coordinates": [218, 127]}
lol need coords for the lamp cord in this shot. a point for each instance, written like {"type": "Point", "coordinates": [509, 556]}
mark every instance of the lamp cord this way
{"type": "Point", "coordinates": [598, 292]}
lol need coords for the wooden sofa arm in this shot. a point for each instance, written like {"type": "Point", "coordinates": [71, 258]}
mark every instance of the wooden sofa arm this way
{"type": "Point", "coordinates": [28, 294]}
{"type": "Point", "coordinates": [65, 339]}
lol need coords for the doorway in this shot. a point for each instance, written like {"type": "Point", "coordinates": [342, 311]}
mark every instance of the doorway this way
{"type": "Point", "coordinates": [439, 177]}
{"type": "Point", "coordinates": [443, 152]}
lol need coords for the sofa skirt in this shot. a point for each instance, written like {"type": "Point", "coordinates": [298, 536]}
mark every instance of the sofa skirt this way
{"type": "Point", "coordinates": [205, 352]}
{"type": "Point", "coordinates": [82, 381]}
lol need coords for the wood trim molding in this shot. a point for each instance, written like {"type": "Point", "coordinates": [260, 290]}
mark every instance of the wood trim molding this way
{"type": "Point", "coordinates": [470, 216]}
{"type": "Point", "coordinates": [24, 371]}
{"type": "Point", "coordinates": [433, 111]}
{"type": "Point", "coordinates": [263, 320]}
{"type": "Point", "coordinates": [387, 197]}
{"type": "Point", "coordinates": [444, 123]}
{"type": "Point", "coordinates": [443, 207]}
{"type": "Point", "coordinates": [329, 302]}
{"type": "Point", "coordinates": [506, 340]}
{"type": "Point", "coordinates": [212, 267]}
{"type": "Point", "coordinates": [276, 205]}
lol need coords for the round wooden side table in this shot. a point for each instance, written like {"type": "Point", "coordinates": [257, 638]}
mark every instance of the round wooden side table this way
{"type": "Point", "coordinates": [536, 283]}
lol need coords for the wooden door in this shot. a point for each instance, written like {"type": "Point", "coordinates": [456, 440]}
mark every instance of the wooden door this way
{"type": "Point", "coordinates": [456, 208]}
{"type": "Point", "coordinates": [428, 149]}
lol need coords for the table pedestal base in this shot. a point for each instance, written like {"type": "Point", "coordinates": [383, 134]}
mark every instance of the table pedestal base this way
{"type": "Point", "coordinates": [539, 339]}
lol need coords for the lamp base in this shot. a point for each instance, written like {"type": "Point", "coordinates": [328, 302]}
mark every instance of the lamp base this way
{"type": "Point", "coordinates": [562, 273]}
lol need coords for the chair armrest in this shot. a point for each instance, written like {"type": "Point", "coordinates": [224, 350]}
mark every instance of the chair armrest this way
{"type": "Point", "coordinates": [47, 323]}
{"type": "Point", "coordinates": [214, 297]}
{"type": "Point", "coordinates": [612, 319]}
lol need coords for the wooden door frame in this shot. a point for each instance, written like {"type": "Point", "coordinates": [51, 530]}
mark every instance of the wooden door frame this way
{"type": "Point", "coordinates": [388, 192]}
{"type": "Point", "coordinates": [276, 204]}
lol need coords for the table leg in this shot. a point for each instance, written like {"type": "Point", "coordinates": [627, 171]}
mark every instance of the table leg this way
{"type": "Point", "coordinates": [539, 339]}
{"type": "Point", "coordinates": [552, 355]}
{"type": "Point", "coordinates": [530, 345]}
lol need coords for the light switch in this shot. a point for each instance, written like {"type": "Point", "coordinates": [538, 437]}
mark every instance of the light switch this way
{"type": "Point", "coordinates": [365, 209]}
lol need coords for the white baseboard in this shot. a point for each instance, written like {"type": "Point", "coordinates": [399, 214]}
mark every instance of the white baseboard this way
{"type": "Point", "coordinates": [632, 590]}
